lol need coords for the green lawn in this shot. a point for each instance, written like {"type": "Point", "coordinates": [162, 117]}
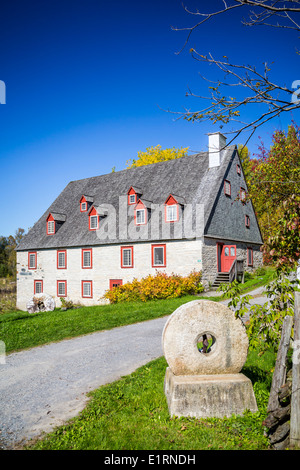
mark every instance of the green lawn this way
{"type": "Point", "coordinates": [132, 414]}
{"type": "Point", "coordinates": [20, 330]}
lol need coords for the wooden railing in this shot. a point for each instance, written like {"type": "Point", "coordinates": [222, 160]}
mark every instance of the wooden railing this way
{"type": "Point", "coordinates": [237, 270]}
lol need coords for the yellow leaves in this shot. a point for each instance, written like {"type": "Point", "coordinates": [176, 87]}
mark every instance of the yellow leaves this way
{"type": "Point", "coordinates": [160, 286]}
{"type": "Point", "coordinates": [155, 155]}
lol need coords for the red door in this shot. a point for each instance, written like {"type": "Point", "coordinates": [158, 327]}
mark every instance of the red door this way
{"type": "Point", "coordinates": [228, 256]}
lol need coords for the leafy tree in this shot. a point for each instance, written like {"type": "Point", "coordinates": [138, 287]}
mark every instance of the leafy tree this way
{"type": "Point", "coordinates": [8, 254]}
{"type": "Point", "coordinates": [252, 84]}
{"type": "Point", "coordinates": [273, 178]}
{"type": "Point", "coordinates": [155, 155]}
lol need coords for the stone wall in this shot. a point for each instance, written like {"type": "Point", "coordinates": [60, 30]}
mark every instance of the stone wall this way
{"type": "Point", "coordinates": [209, 256]}
{"type": "Point", "coordinates": [182, 257]}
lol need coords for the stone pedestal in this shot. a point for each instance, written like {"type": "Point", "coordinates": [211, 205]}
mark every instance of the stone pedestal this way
{"type": "Point", "coordinates": [206, 347]}
{"type": "Point", "coordinates": [208, 396]}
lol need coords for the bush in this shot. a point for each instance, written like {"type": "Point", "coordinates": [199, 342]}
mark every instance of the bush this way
{"type": "Point", "coordinates": [160, 286]}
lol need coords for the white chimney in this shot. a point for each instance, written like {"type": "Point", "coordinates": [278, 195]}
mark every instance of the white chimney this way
{"type": "Point", "coordinates": [216, 142]}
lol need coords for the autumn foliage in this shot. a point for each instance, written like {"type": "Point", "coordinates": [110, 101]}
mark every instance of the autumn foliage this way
{"type": "Point", "coordinates": [155, 155]}
{"type": "Point", "coordinates": [160, 286]}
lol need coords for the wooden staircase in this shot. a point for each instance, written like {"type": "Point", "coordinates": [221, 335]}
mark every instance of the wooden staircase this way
{"type": "Point", "coordinates": [236, 272]}
{"type": "Point", "coordinates": [221, 278]}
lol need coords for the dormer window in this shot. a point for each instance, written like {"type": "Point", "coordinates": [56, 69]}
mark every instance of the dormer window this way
{"type": "Point", "coordinates": [140, 216]}
{"type": "Point", "coordinates": [134, 194]}
{"type": "Point", "coordinates": [85, 203]}
{"type": "Point", "coordinates": [172, 208]}
{"type": "Point", "coordinates": [54, 221]}
{"type": "Point", "coordinates": [93, 219]}
{"type": "Point", "coordinates": [50, 227]}
{"type": "Point", "coordinates": [141, 212]}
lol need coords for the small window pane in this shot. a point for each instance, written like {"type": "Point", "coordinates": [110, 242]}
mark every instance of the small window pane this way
{"type": "Point", "coordinates": [86, 289]}
{"type": "Point", "coordinates": [38, 287]}
{"type": "Point", "coordinates": [232, 251]}
{"type": "Point", "coordinates": [86, 259]}
{"type": "Point", "coordinates": [226, 251]}
{"type": "Point", "coordinates": [171, 213]}
{"type": "Point", "coordinates": [51, 226]}
{"type": "Point", "coordinates": [61, 259]}
{"type": "Point", "coordinates": [32, 260]}
{"type": "Point", "coordinates": [140, 216]}
{"type": "Point", "coordinates": [94, 221]}
{"type": "Point", "coordinates": [127, 257]}
{"type": "Point", "coordinates": [132, 198]}
{"type": "Point", "coordinates": [83, 206]}
{"type": "Point", "coordinates": [158, 255]}
{"type": "Point", "coordinates": [61, 288]}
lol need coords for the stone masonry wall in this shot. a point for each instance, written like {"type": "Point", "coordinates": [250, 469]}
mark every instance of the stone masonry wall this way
{"type": "Point", "coordinates": [182, 257]}
{"type": "Point", "coordinates": [209, 257]}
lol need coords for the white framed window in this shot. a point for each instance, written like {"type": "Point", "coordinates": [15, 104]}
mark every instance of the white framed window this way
{"type": "Point", "coordinates": [227, 188]}
{"type": "Point", "coordinates": [132, 198]}
{"type": "Point", "coordinates": [158, 255]}
{"type": "Point", "coordinates": [87, 289]}
{"type": "Point", "coordinates": [61, 288]}
{"type": "Point", "coordinates": [140, 216]}
{"type": "Point", "coordinates": [242, 194]}
{"type": "Point", "coordinates": [51, 227]}
{"type": "Point", "coordinates": [83, 207]}
{"type": "Point", "coordinates": [87, 258]}
{"type": "Point", "coordinates": [171, 213]}
{"type": "Point", "coordinates": [32, 258]}
{"type": "Point", "coordinates": [61, 259]}
{"type": "Point", "coordinates": [93, 222]}
{"type": "Point", "coordinates": [38, 287]}
{"type": "Point", "coordinates": [127, 256]}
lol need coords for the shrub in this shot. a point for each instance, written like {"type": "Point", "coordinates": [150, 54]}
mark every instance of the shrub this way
{"type": "Point", "coordinates": [160, 286]}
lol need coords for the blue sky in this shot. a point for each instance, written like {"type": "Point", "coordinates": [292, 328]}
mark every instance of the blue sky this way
{"type": "Point", "coordinates": [88, 83]}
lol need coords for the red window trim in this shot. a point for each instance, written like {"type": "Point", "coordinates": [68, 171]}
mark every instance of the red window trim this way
{"type": "Point", "coordinates": [50, 218]}
{"type": "Point", "coordinates": [114, 281]}
{"type": "Point", "coordinates": [32, 253]}
{"type": "Point", "coordinates": [132, 192]}
{"type": "Point", "coordinates": [249, 250]}
{"type": "Point", "coordinates": [152, 255]}
{"type": "Point", "coordinates": [171, 201]}
{"type": "Point", "coordinates": [242, 190]}
{"type": "Point", "coordinates": [93, 213]}
{"type": "Point", "coordinates": [137, 208]}
{"type": "Point", "coordinates": [87, 296]}
{"type": "Point", "coordinates": [57, 291]}
{"type": "Point", "coordinates": [126, 248]}
{"type": "Point", "coordinates": [227, 194]}
{"type": "Point", "coordinates": [83, 201]}
{"type": "Point", "coordinates": [91, 252]}
{"type": "Point", "coordinates": [57, 256]}
{"type": "Point", "coordinates": [35, 282]}
{"type": "Point", "coordinates": [247, 221]}
{"type": "Point", "coordinates": [177, 213]}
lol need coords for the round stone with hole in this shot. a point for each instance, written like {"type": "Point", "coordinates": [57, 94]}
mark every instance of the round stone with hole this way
{"type": "Point", "coordinates": [204, 337]}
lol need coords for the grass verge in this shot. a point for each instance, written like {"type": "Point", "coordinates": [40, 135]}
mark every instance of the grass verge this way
{"type": "Point", "coordinates": [21, 330]}
{"type": "Point", "coordinates": [132, 414]}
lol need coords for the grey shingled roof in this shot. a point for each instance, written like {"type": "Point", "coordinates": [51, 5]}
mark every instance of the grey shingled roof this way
{"type": "Point", "coordinates": [188, 177]}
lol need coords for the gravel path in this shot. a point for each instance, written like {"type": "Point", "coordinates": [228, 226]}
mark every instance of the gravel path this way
{"type": "Point", "coordinates": [41, 388]}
